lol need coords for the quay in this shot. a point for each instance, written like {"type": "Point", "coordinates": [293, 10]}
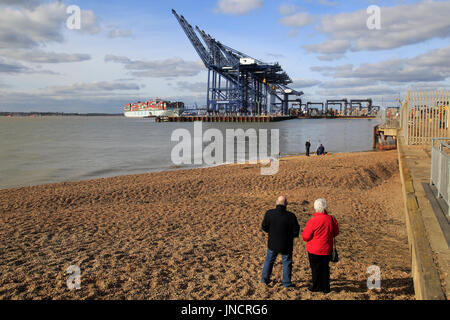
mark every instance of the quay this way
{"type": "Point", "coordinates": [256, 118]}
{"type": "Point", "coordinates": [224, 118]}
{"type": "Point", "coordinates": [326, 116]}
{"type": "Point", "coordinates": [385, 134]}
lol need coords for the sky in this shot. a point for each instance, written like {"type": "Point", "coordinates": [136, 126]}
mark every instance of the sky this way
{"type": "Point", "coordinates": [135, 50]}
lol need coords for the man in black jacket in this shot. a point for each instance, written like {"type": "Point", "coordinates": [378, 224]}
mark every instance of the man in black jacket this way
{"type": "Point", "coordinates": [307, 145]}
{"type": "Point", "coordinates": [282, 227]}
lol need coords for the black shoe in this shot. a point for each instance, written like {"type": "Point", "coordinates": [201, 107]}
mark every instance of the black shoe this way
{"type": "Point", "coordinates": [289, 285]}
{"type": "Point", "coordinates": [313, 290]}
{"type": "Point", "coordinates": [326, 291]}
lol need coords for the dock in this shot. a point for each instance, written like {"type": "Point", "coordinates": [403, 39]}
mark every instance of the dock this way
{"type": "Point", "coordinates": [336, 117]}
{"type": "Point", "coordinates": [255, 118]}
{"type": "Point", "coordinates": [385, 137]}
{"type": "Point", "coordinates": [224, 118]}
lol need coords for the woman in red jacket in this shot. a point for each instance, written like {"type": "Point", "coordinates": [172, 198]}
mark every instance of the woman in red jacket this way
{"type": "Point", "coordinates": [318, 234]}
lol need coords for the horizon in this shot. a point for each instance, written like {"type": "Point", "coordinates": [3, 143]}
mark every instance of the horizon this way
{"type": "Point", "coordinates": [326, 48]}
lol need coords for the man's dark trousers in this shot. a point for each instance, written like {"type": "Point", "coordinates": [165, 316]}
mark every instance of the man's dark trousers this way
{"type": "Point", "coordinates": [287, 267]}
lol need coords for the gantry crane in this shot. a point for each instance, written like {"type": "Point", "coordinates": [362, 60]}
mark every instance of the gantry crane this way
{"type": "Point", "coordinates": [236, 81]}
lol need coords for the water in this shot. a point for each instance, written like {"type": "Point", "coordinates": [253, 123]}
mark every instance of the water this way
{"type": "Point", "coordinates": [56, 149]}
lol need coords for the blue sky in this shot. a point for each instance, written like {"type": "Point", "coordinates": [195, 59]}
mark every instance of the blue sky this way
{"type": "Point", "coordinates": [132, 50]}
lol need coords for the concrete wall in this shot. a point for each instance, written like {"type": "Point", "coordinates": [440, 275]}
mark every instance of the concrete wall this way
{"type": "Point", "coordinates": [427, 285]}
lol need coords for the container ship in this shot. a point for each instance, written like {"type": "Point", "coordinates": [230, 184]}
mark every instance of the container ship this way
{"type": "Point", "coordinates": [153, 108]}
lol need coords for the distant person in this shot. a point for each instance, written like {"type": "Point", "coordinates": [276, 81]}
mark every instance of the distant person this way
{"type": "Point", "coordinates": [282, 227]}
{"type": "Point", "coordinates": [321, 150]}
{"type": "Point", "coordinates": [319, 234]}
{"type": "Point", "coordinates": [307, 145]}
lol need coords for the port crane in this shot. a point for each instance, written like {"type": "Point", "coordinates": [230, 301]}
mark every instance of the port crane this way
{"type": "Point", "coordinates": [237, 82]}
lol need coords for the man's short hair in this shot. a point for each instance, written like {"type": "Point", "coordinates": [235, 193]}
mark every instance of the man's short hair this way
{"type": "Point", "coordinates": [320, 205]}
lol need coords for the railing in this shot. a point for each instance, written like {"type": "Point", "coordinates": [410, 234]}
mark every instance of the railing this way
{"type": "Point", "coordinates": [440, 168]}
{"type": "Point", "coordinates": [424, 116]}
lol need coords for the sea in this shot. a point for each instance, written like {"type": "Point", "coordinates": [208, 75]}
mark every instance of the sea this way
{"type": "Point", "coordinates": [52, 149]}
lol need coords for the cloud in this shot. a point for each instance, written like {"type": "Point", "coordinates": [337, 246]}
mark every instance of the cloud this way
{"type": "Point", "coordinates": [328, 3]}
{"type": "Point", "coordinates": [191, 86]}
{"type": "Point", "coordinates": [90, 23]}
{"type": "Point", "coordinates": [401, 25]}
{"type": "Point", "coordinates": [238, 7]}
{"type": "Point", "coordinates": [28, 27]}
{"type": "Point", "coordinates": [4, 85]}
{"type": "Point", "coordinates": [387, 79]}
{"type": "Point", "coordinates": [304, 83]}
{"type": "Point", "coordinates": [117, 59]}
{"type": "Point", "coordinates": [293, 33]}
{"type": "Point", "coordinates": [331, 57]}
{"type": "Point", "coordinates": [21, 3]}
{"type": "Point", "coordinates": [297, 20]}
{"type": "Point", "coordinates": [25, 28]}
{"type": "Point", "coordinates": [275, 55]}
{"type": "Point", "coordinates": [346, 83]}
{"type": "Point", "coordinates": [15, 68]}
{"type": "Point", "coordinates": [117, 33]}
{"type": "Point", "coordinates": [331, 70]}
{"type": "Point", "coordinates": [293, 19]}
{"type": "Point", "coordinates": [12, 67]}
{"type": "Point", "coordinates": [356, 88]}
{"type": "Point", "coordinates": [287, 9]}
{"type": "Point", "coordinates": [39, 56]}
{"type": "Point", "coordinates": [329, 47]}
{"type": "Point", "coordinates": [428, 86]}
{"type": "Point", "coordinates": [94, 87]}
{"type": "Point", "coordinates": [364, 91]}
{"type": "Point", "coordinates": [168, 68]}
{"type": "Point", "coordinates": [125, 79]}
{"type": "Point", "coordinates": [428, 67]}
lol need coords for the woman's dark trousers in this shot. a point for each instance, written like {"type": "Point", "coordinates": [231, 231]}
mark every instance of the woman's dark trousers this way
{"type": "Point", "coordinates": [320, 272]}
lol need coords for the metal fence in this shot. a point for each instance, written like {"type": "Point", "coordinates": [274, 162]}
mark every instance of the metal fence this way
{"type": "Point", "coordinates": [440, 168]}
{"type": "Point", "coordinates": [424, 116]}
